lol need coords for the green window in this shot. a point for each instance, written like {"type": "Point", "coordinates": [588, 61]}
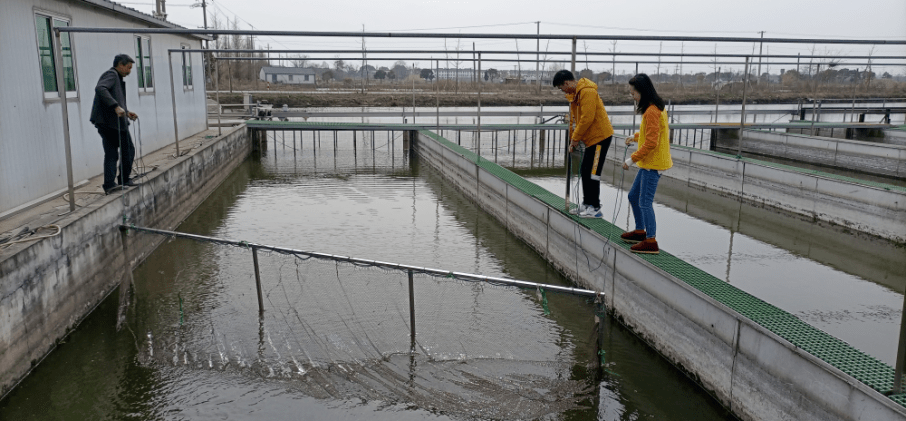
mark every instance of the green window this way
{"type": "Point", "coordinates": [45, 25]}
{"type": "Point", "coordinates": [142, 66]}
{"type": "Point", "coordinates": [186, 69]}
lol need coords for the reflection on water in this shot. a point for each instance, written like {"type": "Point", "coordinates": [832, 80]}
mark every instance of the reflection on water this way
{"type": "Point", "coordinates": [333, 341]}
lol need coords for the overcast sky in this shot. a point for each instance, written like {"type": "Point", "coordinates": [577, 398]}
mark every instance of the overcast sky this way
{"type": "Point", "coordinates": [838, 19]}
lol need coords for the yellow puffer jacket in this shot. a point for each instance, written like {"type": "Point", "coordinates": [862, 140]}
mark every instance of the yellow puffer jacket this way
{"type": "Point", "coordinates": [654, 141]}
{"type": "Point", "coordinates": [588, 118]}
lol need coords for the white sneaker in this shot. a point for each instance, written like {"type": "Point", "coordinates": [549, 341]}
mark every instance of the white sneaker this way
{"type": "Point", "coordinates": [578, 210]}
{"type": "Point", "coordinates": [591, 212]}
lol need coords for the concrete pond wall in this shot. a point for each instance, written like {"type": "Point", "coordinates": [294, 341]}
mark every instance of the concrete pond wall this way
{"type": "Point", "coordinates": [884, 159]}
{"type": "Point", "coordinates": [895, 136]}
{"type": "Point", "coordinates": [759, 361]}
{"type": "Point", "coordinates": [47, 287]}
{"type": "Point", "coordinates": [874, 208]}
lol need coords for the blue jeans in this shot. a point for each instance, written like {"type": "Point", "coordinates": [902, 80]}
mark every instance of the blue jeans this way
{"type": "Point", "coordinates": [641, 197]}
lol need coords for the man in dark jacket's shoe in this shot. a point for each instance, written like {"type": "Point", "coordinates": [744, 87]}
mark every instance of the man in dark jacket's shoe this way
{"type": "Point", "coordinates": [109, 115]}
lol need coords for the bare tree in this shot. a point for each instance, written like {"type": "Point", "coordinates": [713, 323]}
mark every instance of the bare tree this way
{"type": "Point", "coordinates": [300, 60]}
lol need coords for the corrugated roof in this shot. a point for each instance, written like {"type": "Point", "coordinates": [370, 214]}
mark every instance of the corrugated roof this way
{"type": "Point", "coordinates": [128, 11]}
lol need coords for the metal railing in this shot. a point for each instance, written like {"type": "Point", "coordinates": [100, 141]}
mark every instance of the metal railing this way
{"type": "Point", "coordinates": [410, 270]}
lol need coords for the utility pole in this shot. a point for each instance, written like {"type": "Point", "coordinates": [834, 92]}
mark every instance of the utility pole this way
{"type": "Point", "coordinates": [760, 45]}
{"type": "Point", "coordinates": [364, 63]}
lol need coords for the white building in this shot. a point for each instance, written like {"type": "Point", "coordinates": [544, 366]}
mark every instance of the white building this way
{"type": "Point", "coordinates": [288, 75]}
{"type": "Point", "coordinates": [32, 157]}
{"type": "Point", "coordinates": [453, 74]}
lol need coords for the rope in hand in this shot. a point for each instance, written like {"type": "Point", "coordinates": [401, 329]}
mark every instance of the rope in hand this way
{"type": "Point", "coordinates": [616, 208]}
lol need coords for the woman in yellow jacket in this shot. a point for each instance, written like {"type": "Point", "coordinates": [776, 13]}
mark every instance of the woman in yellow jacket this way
{"type": "Point", "coordinates": [652, 157]}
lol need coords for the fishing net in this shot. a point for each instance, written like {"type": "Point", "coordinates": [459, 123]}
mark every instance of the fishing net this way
{"type": "Point", "coordinates": [336, 330]}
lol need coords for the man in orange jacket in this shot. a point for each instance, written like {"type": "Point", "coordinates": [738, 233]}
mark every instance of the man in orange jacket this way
{"type": "Point", "coordinates": [590, 125]}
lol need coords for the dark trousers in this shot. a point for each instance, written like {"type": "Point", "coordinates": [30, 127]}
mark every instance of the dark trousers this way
{"type": "Point", "coordinates": [592, 165]}
{"type": "Point", "coordinates": [116, 142]}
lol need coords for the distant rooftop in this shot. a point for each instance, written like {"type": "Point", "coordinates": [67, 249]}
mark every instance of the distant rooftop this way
{"type": "Point", "coordinates": [288, 70]}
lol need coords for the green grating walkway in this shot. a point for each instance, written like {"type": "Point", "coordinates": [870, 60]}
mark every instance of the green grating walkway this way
{"type": "Point", "coordinates": [863, 367]}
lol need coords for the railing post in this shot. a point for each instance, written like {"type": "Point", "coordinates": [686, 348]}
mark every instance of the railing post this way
{"type": "Point", "coordinates": [816, 112]}
{"type": "Point", "coordinates": [716, 101]}
{"type": "Point", "coordinates": [258, 279]}
{"type": "Point", "coordinates": [217, 96]}
{"type": "Point", "coordinates": [411, 311]}
{"type": "Point", "coordinates": [901, 353]}
{"type": "Point", "coordinates": [61, 90]}
{"type": "Point", "coordinates": [742, 123]}
{"type": "Point", "coordinates": [173, 101]}
{"type": "Point", "coordinates": [478, 147]}
{"type": "Point", "coordinates": [569, 130]}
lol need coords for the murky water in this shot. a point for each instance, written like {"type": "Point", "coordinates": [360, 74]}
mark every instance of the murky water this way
{"type": "Point", "coordinates": [194, 347]}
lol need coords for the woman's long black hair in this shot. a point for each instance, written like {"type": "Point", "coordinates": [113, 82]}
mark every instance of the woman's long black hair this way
{"type": "Point", "coordinates": [647, 95]}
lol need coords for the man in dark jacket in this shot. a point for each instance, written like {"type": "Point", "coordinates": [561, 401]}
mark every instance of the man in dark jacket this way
{"type": "Point", "coordinates": [109, 115]}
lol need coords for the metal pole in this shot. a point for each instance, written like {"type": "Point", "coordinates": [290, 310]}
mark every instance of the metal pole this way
{"type": "Point", "coordinates": [478, 147]}
{"type": "Point", "coordinates": [717, 101]}
{"type": "Point", "coordinates": [258, 279]}
{"type": "Point", "coordinates": [760, 45]}
{"type": "Point", "coordinates": [61, 90]}
{"type": "Point", "coordinates": [901, 353]}
{"type": "Point", "coordinates": [217, 96]}
{"type": "Point", "coordinates": [568, 159]}
{"type": "Point", "coordinates": [538, 55]}
{"type": "Point", "coordinates": [633, 110]}
{"type": "Point", "coordinates": [742, 123]}
{"type": "Point", "coordinates": [173, 97]}
{"type": "Point", "coordinates": [411, 310]}
{"type": "Point", "coordinates": [437, 92]}
{"type": "Point", "coordinates": [815, 98]}
{"type": "Point", "coordinates": [368, 262]}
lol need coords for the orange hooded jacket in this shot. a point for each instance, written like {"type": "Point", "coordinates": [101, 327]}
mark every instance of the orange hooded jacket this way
{"type": "Point", "coordinates": [588, 118]}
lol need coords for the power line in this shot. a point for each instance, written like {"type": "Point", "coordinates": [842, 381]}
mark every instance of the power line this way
{"type": "Point", "coordinates": [461, 27]}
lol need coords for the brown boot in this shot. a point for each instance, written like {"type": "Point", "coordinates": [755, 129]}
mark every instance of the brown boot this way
{"type": "Point", "coordinates": [633, 237]}
{"type": "Point", "coordinates": [649, 246]}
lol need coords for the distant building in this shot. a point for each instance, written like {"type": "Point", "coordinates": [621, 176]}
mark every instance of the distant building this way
{"type": "Point", "coordinates": [32, 161]}
{"type": "Point", "coordinates": [288, 75]}
{"type": "Point", "coordinates": [454, 74]}
{"type": "Point", "coordinates": [527, 76]}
